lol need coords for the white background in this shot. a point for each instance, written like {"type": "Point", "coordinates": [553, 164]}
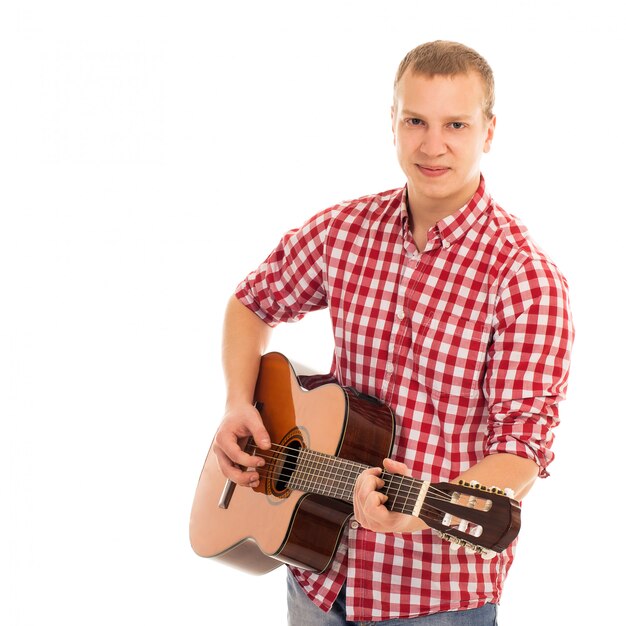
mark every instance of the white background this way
{"type": "Point", "coordinates": [151, 153]}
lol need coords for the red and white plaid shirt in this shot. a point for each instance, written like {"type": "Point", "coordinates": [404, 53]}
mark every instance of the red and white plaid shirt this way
{"type": "Point", "coordinates": [468, 342]}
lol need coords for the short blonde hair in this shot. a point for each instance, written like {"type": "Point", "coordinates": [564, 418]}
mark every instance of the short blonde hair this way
{"type": "Point", "coordinates": [448, 58]}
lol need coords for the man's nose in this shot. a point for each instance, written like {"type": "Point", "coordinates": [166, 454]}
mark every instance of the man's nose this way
{"type": "Point", "coordinates": [433, 143]}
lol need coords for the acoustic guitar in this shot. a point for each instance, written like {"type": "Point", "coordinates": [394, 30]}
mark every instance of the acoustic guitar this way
{"type": "Point", "coordinates": [322, 439]}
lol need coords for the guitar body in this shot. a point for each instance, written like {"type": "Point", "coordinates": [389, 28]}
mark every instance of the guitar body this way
{"type": "Point", "coordinates": [259, 529]}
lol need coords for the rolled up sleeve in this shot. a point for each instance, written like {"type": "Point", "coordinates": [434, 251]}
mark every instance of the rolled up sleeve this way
{"type": "Point", "coordinates": [528, 362]}
{"type": "Point", "coordinates": [291, 280]}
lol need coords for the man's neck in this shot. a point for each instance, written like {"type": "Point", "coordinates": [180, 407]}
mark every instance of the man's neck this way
{"type": "Point", "coordinates": [421, 221]}
{"type": "Point", "coordinates": [424, 213]}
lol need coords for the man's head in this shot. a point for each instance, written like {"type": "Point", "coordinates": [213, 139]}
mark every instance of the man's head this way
{"type": "Point", "coordinates": [442, 123]}
{"type": "Point", "coordinates": [448, 58]}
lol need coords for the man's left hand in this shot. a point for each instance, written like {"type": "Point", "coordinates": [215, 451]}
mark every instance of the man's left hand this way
{"type": "Point", "coordinates": [369, 503]}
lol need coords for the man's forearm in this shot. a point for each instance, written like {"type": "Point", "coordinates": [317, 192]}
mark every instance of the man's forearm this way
{"type": "Point", "coordinates": [504, 471]}
{"type": "Point", "coordinates": [245, 338]}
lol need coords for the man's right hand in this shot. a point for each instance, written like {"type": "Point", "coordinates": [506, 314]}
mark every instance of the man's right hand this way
{"type": "Point", "coordinates": [239, 423]}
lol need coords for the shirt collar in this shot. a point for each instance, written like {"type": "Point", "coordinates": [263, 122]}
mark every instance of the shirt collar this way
{"type": "Point", "coordinates": [453, 227]}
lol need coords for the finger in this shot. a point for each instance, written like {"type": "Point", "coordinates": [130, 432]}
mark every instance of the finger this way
{"type": "Point", "coordinates": [368, 481]}
{"type": "Point", "coordinates": [395, 467]}
{"type": "Point", "coordinates": [230, 443]}
{"type": "Point", "coordinates": [367, 476]}
{"type": "Point", "coordinates": [373, 513]}
{"type": "Point", "coordinates": [233, 472]}
{"type": "Point", "coordinates": [375, 500]}
{"type": "Point", "coordinates": [367, 484]}
{"type": "Point", "coordinates": [230, 448]}
{"type": "Point", "coordinates": [252, 424]}
{"type": "Point", "coordinates": [261, 436]}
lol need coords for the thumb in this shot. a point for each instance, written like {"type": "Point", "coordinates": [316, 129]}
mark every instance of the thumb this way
{"type": "Point", "coordinates": [260, 435]}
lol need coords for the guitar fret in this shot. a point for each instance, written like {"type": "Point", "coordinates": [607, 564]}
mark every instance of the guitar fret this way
{"type": "Point", "coordinates": [297, 478]}
{"type": "Point", "coordinates": [402, 491]}
{"type": "Point", "coordinates": [324, 474]}
{"type": "Point", "coordinates": [306, 477]}
{"type": "Point", "coordinates": [308, 482]}
{"type": "Point", "coordinates": [345, 482]}
{"type": "Point", "coordinates": [352, 470]}
{"type": "Point", "coordinates": [412, 496]}
{"type": "Point", "coordinates": [406, 492]}
{"type": "Point", "coordinates": [315, 478]}
{"type": "Point", "coordinates": [332, 482]}
{"type": "Point", "coordinates": [348, 482]}
{"type": "Point", "coordinates": [317, 474]}
{"type": "Point", "coordinates": [390, 492]}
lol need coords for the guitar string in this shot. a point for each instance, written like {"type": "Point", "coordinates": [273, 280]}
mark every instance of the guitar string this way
{"type": "Point", "coordinates": [354, 469]}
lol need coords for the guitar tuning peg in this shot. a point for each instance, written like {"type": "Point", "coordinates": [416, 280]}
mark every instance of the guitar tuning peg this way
{"type": "Point", "coordinates": [476, 531]}
{"type": "Point", "coordinates": [509, 493]}
{"type": "Point", "coordinates": [487, 554]}
{"type": "Point", "coordinates": [453, 542]}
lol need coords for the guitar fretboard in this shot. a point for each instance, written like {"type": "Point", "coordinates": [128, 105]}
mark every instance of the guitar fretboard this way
{"type": "Point", "coordinates": [332, 476]}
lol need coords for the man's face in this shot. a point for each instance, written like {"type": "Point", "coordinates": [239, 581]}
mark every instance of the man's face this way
{"type": "Point", "coordinates": [440, 134]}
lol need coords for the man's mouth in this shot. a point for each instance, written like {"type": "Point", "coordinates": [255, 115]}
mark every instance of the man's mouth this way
{"type": "Point", "coordinates": [432, 171]}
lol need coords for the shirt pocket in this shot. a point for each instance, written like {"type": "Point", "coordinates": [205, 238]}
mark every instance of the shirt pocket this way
{"type": "Point", "coordinates": [451, 355]}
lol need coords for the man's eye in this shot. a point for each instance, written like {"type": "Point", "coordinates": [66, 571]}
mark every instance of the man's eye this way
{"type": "Point", "coordinates": [414, 121]}
{"type": "Point", "coordinates": [457, 125]}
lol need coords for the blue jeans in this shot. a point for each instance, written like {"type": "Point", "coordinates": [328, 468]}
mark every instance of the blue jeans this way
{"type": "Point", "coordinates": [302, 612]}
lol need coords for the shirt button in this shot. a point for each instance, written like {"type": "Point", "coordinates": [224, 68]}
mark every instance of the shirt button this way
{"type": "Point", "coordinates": [400, 314]}
{"type": "Point", "coordinates": [389, 368]}
{"type": "Point", "coordinates": [354, 524]}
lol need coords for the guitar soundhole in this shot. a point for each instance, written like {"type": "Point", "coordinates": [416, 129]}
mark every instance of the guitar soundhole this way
{"type": "Point", "coordinates": [285, 463]}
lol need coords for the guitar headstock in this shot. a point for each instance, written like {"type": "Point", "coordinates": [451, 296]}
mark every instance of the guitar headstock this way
{"type": "Point", "coordinates": [482, 519]}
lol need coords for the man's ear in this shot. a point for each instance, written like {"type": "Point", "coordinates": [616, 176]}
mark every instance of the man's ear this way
{"type": "Point", "coordinates": [491, 129]}
{"type": "Point", "coordinates": [393, 122]}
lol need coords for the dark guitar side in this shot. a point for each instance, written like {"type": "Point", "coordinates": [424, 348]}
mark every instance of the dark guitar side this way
{"type": "Point", "coordinates": [310, 533]}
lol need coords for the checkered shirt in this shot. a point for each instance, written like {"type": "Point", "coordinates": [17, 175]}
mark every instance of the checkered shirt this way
{"type": "Point", "coordinates": [468, 342]}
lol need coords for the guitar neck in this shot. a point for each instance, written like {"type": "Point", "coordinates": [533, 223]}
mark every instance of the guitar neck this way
{"type": "Point", "coordinates": [486, 519]}
{"type": "Point", "coordinates": [327, 475]}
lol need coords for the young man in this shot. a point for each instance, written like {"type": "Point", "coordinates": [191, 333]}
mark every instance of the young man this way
{"type": "Point", "coordinates": [442, 307]}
